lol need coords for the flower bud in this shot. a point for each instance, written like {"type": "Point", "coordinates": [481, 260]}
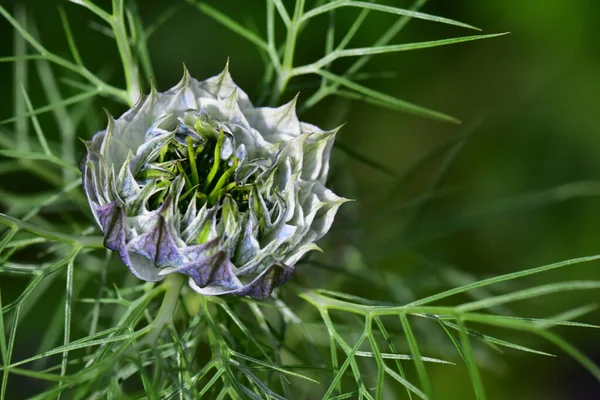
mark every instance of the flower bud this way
{"type": "Point", "coordinates": [198, 181]}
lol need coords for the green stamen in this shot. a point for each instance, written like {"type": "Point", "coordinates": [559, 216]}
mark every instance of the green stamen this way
{"type": "Point", "coordinates": [217, 161]}
{"type": "Point", "coordinates": [192, 157]}
{"type": "Point", "coordinates": [230, 186]}
{"type": "Point", "coordinates": [207, 176]}
{"type": "Point", "coordinates": [216, 192]}
{"type": "Point", "coordinates": [155, 174]}
{"type": "Point", "coordinates": [161, 198]}
{"type": "Point", "coordinates": [186, 194]}
{"type": "Point", "coordinates": [188, 184]}
{"type": "Point", "coordinates": [201, 196]}
{"type": "Point", "coordinates": [163, 153]}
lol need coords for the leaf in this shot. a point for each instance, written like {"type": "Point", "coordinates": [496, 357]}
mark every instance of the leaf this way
{"type": "Point", "coordinates": [528, 294]}
{"type": "Point", "coordinates": [502, 278]}
{"type": "Point", "coordinates": [471, 362]}
{"type": "Point", "coordinates": [495, 341]}
{"type": "Point", "coordinates": [366, 160]}
{"type": "Point", "coordinates": [271, 366]}
{"type": "Point", "coordinates": [95, 9]}
{"type": "Point", "coordinates": [389, 356]}
{"type": "Point", "coordinates": [230, 23]}
{"type": "Point", "coordinates": [386, 9]}
{"type": "Point", "coordinates": [526, 326]}
{"type": "Point", "coordinates": [54, 105]}
{"type": "Point", "coordinates": [36, 126]}
{"type": "Point", "coordinates": [414, 349]}
{"type": "Point", "coordinates": [387, 100]}
{"type": "Point", "coordinates": [368, 51]}
{"type": "Point", "coordinates": [69, 34]}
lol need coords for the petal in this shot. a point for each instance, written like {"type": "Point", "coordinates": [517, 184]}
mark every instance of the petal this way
{"type": "Point", "coordinates": [112, 220]}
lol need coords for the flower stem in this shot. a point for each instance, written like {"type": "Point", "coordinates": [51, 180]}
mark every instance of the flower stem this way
{"type": "Point", "coordinates": [285, 73]}
{"type": "Point", "coordinates": [172, 284]}
{"type": "Point", "coordinates": [129, 63]}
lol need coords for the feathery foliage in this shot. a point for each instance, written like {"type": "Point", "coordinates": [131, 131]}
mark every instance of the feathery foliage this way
{"type": "Point", "coordinates": [141, 340]}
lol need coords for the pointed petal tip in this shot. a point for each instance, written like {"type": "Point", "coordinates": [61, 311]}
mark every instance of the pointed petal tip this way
{"type": "Point", "coordinates": [185, 79]}
{"type": "Point", "coordinates": [111, 120]}
{"type": "Point", "coordinates": [153, 91]}
{"type": "Point", "coordinates": [225, 76]}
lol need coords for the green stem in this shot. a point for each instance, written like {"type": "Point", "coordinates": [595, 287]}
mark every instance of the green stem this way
{"type": "Point", "coordinates": [287, 65]}
{"type": "Point", "coordinates": [173, 284]}
{"type": "Point", "coordinates": [20, 78]}
{"type": "Point", "coordinates": [129, 65]}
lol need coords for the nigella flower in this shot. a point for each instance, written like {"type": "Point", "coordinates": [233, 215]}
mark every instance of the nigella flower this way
{"type": "Point", "coordinates": [200, 182]}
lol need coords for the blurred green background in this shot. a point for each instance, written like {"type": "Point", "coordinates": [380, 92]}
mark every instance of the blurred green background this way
{"type": "Point", "coordinates": [520, 192]}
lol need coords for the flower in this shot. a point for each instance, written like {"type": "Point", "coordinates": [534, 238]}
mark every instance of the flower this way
{"type": "Point", "coordinates": [198, 181]}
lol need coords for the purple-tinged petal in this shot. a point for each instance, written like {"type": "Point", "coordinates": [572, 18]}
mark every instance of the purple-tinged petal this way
{"type": "Point", "coordinates": [112, 220]}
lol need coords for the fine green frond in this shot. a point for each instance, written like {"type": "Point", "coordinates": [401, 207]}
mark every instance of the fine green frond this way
{"type": "Point", "coordinates": [21, 79]}
{"type": "Point", "coordinates": [285, 17]}
{"type": "Point", "coordinates": [416, 353]}
{"type": "Point", "coordinates": [53, 58]}
{"type": "Point", "coordinates": [54, 106]}
{"type": "Point", "coordinates": [386, 100]}
{"type": "Point", "coordinates": [367, 51]}
{"type": "Point", "coordinates": [230, 23]}
{"type": "Point", "coordinates": [69, 35]}
{"type": "Point", "coordinates": [470, 361]}
{"type": "Point", "coordinates": [376, 165]}
{"type": "Point", "coordinates": [160, 20]}
{"type": "Point", "coordinates": [371, 327]}
{"type": "Point", "coordinates": [564, 318]}
{"type": "Point", "coordinates": [32, 155]}
{"type": "Point", "coordinates": [83, 241]}
{"type": "Point", "coordinates": [530, 293]}
{"type": "Point", "coordinates": [95, 9]}
{"type": "Point", "coordinates": [460, 314]}
{"type": "Point", "coordinates": [387, 36]}
{"type": "Point", "coordinates": [490, 339]}
{"type": "Point", "coordinates": [26, 57]}
{"type": "Point", "coordinates": [502, 278]}
{"type": "Point", "coordinates": [386, 9]}
{"type": "Point", "coordinates": [37, 127]}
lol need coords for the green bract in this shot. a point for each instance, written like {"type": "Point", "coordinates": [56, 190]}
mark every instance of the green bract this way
{"type": "Point", "coordinates": [198, 181]}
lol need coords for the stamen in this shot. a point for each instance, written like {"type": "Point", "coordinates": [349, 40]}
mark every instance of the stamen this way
{"type": "Point", "coordinates": [188, 184]}
{"type": "Point", "coordinates": [192, 158]}
{"type": "Point", "coordinates": [155, 174]}
{"type": "Point", "coordinates": [216, 192]}
{"type": "Point", "coordinates": [229, 187]}
{"type": "Point", "coordinates": [163, 153]}
{"type": "Point", "coordinates": [186, 194]}
{"type": "Point", "coordinates": [161, 198]}
{"type": "Point", "coordinates": [201, 196]}
{"type": "Point", "coordinates": [192, 161]}
{"type": "Point", "coordinates": [217, 161]}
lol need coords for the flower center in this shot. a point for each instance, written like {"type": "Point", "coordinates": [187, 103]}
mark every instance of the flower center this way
{"type": "Point", "coordinates": [199, 161]}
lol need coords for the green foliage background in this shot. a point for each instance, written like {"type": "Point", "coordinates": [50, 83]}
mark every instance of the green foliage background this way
{"type": "Point", "coordinates": [514, 187]}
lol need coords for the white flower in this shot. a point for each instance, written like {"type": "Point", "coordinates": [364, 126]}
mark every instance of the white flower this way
{"type": "Point", "coordinates": [198, 181]}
